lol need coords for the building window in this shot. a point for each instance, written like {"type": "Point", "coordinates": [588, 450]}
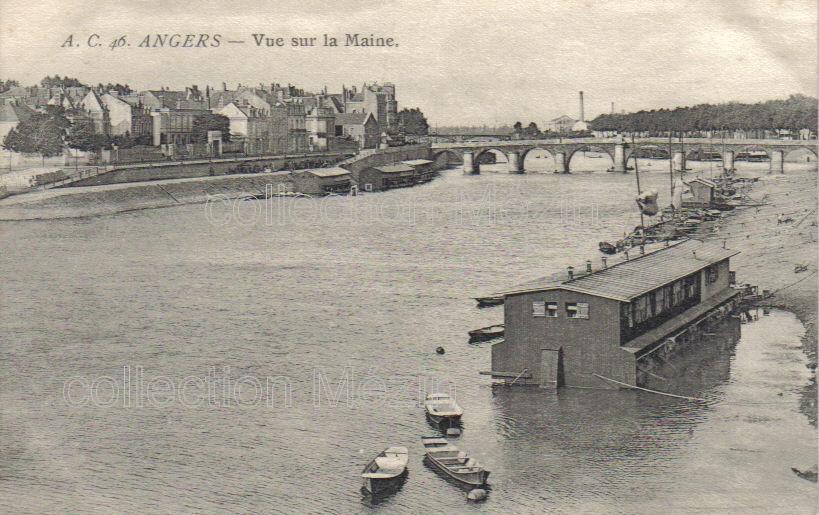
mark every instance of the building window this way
{"type": "Point", "coordinates": [538, 309]}
{"type": "Point", "coordinates": [368, 187]}
{"type": "Point", "coordinates": [551, 309]}
{"type": "Point", "coordinates": [711, 274]}
{"type": "Point", "coordinates": [577, 310]}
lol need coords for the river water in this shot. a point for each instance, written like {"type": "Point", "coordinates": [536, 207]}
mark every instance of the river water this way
{"type": "Point", "coordinates": [147, 359]}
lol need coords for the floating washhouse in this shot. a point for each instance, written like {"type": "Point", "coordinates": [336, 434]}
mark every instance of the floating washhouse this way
{"type": "Point", "coordinates": [568, 329]}
{"type": "Point", "coordinates": [703, 193]}
{"type": "Point", "coordinates": [322, 181]}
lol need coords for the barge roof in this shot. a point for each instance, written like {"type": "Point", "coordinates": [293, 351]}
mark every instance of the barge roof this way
{"type": "Point", "coordinates": [629, 279]}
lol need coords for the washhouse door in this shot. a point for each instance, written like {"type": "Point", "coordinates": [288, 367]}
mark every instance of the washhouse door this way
{"type": "Point", "coordinates": [551, 368]}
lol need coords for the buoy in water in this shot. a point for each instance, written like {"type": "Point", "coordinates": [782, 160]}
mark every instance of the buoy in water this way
{"type": "Point", "coordinates": [440, 350]}
{"type": "Point", "coordinates": [453, 431]}
{"type": "Point", "coordinates": [478, 494]}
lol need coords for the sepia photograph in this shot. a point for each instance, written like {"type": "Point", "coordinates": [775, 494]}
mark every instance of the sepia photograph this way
{"type": "Point", "coordinates": [305, 257]}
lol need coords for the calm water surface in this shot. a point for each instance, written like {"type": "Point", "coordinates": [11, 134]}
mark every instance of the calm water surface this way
{"type": "Point", "coordinates": [310, 290]}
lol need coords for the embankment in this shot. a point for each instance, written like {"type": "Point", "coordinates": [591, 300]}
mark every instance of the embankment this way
{"type": "Point", "coordinates": [118, 198]}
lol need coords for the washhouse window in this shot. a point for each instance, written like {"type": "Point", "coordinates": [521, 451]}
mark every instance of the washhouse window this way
{"type": "Point", "coordinates": [577, 310]}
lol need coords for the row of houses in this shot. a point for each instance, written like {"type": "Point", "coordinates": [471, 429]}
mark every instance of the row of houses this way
{"type": "Point", "coordinates": [262, 119]}
{"type": "Point", "coordinates": [324, 181]}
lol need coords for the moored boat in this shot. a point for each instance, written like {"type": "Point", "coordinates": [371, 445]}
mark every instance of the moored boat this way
{"type": "Point", "coordinates": [492, 300]}
{"type": "Point", "coordinates": [440, 407]}
{"type": "Point", "coordinates": [386, 471]}
{"type": "Point", "coordinates": [486, 333]}
{"type": "Point", "coordinates": [454, 463]}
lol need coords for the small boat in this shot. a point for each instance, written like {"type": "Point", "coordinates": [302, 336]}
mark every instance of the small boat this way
{"type": "Point", "coordinates": [440, 407]}
{"type": "Point", "coordinates": [454, 462]}
{"type": "Point", "coordinates": [486, 333]}
{"type": "Point", "coordinates": [492, 300]}
{"type": "Point", "coordinates": [386, 471]}
{"type": "Point", "coordinates": [607, 248]}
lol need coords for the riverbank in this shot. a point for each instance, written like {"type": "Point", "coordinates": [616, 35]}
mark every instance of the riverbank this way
{"type": "Point", "coordinates": [770, 251]}
{"type": "Point", "coordinates": [80, 202]}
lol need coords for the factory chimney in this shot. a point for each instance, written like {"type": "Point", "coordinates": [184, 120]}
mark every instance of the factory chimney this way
{"type": "Point", "coordinates": [582, 115]}
{"type": "Point", "coordinates": [612, 108]}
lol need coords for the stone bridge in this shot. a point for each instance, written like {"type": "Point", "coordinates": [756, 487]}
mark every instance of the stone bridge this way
{"type": "Point", "coordinates": [618, 149]}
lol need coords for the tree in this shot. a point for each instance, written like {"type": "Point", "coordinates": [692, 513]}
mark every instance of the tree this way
{"type": "Point", "coordinates": [210, 122]}
{"type": "Point", "coordinates": [531, 131]}
{"type": "Point", "coordinates": [412, 122]}
{"type": "Point", "coordinates": [517, 128]}
{"type": "Point", "coordinates": [6, 85]}
{"type": "Point", "coordinates": [83, 137]}
{"type": "Point", "coordinates": [42, 133]}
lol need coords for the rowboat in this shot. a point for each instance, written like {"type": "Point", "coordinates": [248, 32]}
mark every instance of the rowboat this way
{"type": "Point", "coordinates": [440, 407]}
{"type": "Point", "coordinates": [454, 462]}
{"type": "Point", "coordinates": [386, 471]}
{"type": "Point", "coordinates": [486, 333]}
{"type": "Point", "coordinates": [493, 300]}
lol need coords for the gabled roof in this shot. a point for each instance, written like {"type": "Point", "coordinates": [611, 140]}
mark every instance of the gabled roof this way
{"type": "Point", "coordinates": [351, 118]}
{"type": "Point", "coordinates": [627, 280]}
{"type": "Point", "coordinates": [11, 113]}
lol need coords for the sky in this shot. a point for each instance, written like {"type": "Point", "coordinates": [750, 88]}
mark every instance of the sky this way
{"type": "Point", "coordinates": [462, 62]}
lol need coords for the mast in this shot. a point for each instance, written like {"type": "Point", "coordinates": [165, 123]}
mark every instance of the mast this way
{"type": "Point", "coordinates": [671, 171]}
{"type": "Point", "coordinates": [637, 176]}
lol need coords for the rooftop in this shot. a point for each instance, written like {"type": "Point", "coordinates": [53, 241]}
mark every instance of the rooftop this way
{"type": "Point", "coordinates": [351, 118]}
{"type": "Point", "coordinates": [394, 168]}
{"type": "Point", "coordinates": [626, 280]}
{"type": "Point", "coordinates": [417, 162]}
{"type": "Point", "coordinates": [328, 172]}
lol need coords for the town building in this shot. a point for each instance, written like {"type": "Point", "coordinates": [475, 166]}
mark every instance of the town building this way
{"type": "Point", "coordinates": [249, 125]}
{"type": "Point", "coordinates": [174, 126]}
{"type": "Point", "coordinates": [561, 124]}
{"type": "Point", "coordinates": [297, 139]}
{"type": "Point", "coordinates": [375, 99]}
{"type": "Point", "coordinates": [114, 115]}
{"type": "Point", "coordinates": [572, 329]}
{"type": "Point", "coordinates": [320, 125]}
{"type": "Point", "coordinates": [361, 128]}
{"type": "Point", "coordinates": [322, 181]}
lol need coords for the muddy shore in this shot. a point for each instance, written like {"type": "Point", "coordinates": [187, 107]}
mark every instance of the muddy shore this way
{"type": "Point", "coordinates": [770, 252]}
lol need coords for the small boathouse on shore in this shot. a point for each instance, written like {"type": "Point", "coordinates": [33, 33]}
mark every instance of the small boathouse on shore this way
{"type": "Point", "coordinates": [571, 328]}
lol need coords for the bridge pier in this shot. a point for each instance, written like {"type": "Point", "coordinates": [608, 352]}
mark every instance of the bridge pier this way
{"type": "Point", "coordinates": [515, 163]}
{"type": "Point", "coordinates": [619, 158]}
{"type": "Point", "coordinates": [777, 161]}
{"type": "Point", "coordinates": [679, 161]}
{"type": "Point", "coordinates": [470, 168]}
{"type": "Point", "coordinates": [728, 160]}
{"type": "Point", "coordinates": [561, 166]}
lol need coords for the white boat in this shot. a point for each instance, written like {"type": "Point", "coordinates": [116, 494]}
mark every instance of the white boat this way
{"type": "Point", "coordinates": [441, 406]}
{"type": "Point", "coordinates": [454, 462]}
{"type": "Point", "coordinates": [385, 471]}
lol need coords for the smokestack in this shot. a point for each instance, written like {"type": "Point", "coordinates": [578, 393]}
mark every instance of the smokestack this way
{"type": "Point", "coordinates": [588, 266]}
{"type": "Point", "coordinates": [570, 271]}
{"type": "Point", "coordinates": [582, 115]}
{"type": "Point", "coordinates": [612, 108]}
{"type": "Point", "coordinates": [604, 262]}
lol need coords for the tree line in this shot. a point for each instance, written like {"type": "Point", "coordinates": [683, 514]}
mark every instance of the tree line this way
{"type": "Point", "coordinates": [49, 133]}
{"type": "Point", "coordinates": [794, 113]}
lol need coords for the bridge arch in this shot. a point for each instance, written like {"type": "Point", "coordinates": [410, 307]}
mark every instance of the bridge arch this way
{"type": "Point", "coordinates": [497, 152]}
{"type": "Point", "coordinates": [546, 164]}
{"type": "Point", "coordinates": [809, 150]}
{"type": "Point", "coordinates": [451, 158]}
{"type": "Point", "coordinates": [587, 148]}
